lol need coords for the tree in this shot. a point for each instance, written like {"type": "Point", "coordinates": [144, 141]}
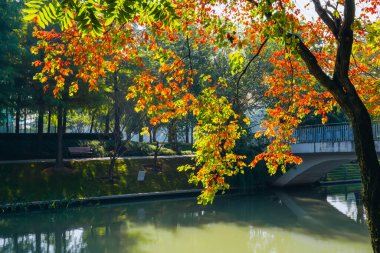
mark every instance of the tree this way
{"type": "Point", "coordinates": [316, 69]}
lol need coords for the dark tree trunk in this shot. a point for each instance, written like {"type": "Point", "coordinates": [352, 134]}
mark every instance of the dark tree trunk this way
{"type": "Point", "coordinates": [345, 94]}
{"type": "Point", "coordinates": [107, 124]}
{"type": "Point", "coordinates": [25, 115]}
{"type": "Point", "coordinates": [15, 243]}
{"type": "Point", "coordinates": [128, 136]}
{"type": "Point", "coordinates": [141, 138]}
{"type": "Point", "coordinates": [58, 241]}
{"type": "Point", "coordinates": [64, 120]}
{"type": "Point", "coordinates": [154, 133]}
{"type": "Point", "coordinates": [172, 136]}
{"type": "Point", "coordinates": [40, 127]}
{"type": "Point", "coordinates": [38, 243]}
{"type": "Point", "coordinates": [187, 132]}
{"type": "Point", "coordinates": [92, 123]}
{"type": "Point", "coordinates": [7, 120]}
{"type": "Point", "coordinates": [18, 115]}
{"type": "Point", "coordinates": [191, 134]}
{"type": "Point", "coordinates": [59, 159]}
{"type": "Point", "coordinates": [116, 131]}
{"type": "Point", "coordinates": [370, 172]}
{"type": "Point", "coordinates": [49, 121]}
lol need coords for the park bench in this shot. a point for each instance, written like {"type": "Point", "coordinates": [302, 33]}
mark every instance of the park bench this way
{"type": "Point", "coordinates": [80, 151]}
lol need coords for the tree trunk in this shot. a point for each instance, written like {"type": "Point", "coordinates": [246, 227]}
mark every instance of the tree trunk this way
{"type": "Point", "coordinates": [40, 128]}
{"type": "Point", "coordinates": [64, 121]}
{"type": "Point", "coordinates": [58, 241]}
{"type": "Point", "coordinates": [187, 130]}
{"type": "Point", "coordinates": [370, 172]}
{"type": "Point", "coordinates": [7, 120]}
{"type": "Point", "coordinates": [92, 123]}
{"type": "Point", "coordinates": [191, 135]}
{"type": "Point", "coordinates": [59, 159]}
{"type": "Point", "coordinates": [18, 115]}
{"type": "Point", "coordinates": [107, 124]}
{"type": "Point", "coordinates": [38, 242]}
{"type": "Point", "coordinates": [154, 134]}
{"type": "Point", "coordinates": [25, 115]}
{"type": "Point", "coordinates": [172, 138]}
{"type": "Point", "coordinates": [344, 92]}
{"type": "Point", "coordinates": [117, 131]}
{"type": "Point", "coordinates": [49, 121]}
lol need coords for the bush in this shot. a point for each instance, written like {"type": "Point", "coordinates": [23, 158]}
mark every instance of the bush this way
{"type": "Point", "coordinates": [97, 147]}
{"type": "Point", "coordinates": [144, 149]}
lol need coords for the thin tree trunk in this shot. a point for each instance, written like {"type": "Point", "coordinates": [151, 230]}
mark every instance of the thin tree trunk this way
{"type": "Point", "coordinates": [7, 120]}
{"type": "Point", "coordinates": [107, 124]}
{"type": "Point", "coordinates": [128, 135]}
{"type": "Point", "coordinates": [92, 123]}
{"type": "Point", "coordinates": [59, 159]}
{"type": "Point", "coordinates": [154, 133]}
{"type": "Point", "coordinates": [40, 128]}
{"type": "Point", "coordinates": [38, 243]}
{"type": "Point", "coordinates": [25, 120]}
{"type": "Point", "coordinates": [58, 242]}
{"type": "Point", "coordinates": [49, 121]}
{"type": "Point", "coordinates": [40, 120]}
{"type": "Point", "coordinates": [172, 131]}
{"type": "Point", "coordinates": [191, 134]}
{"type": "Point", "coordinates": [18, 115]}
{"type": "Point", "coordinates": [187, 130]}
{"type": "Point", "coordinates": [15, 243]}
{"type": "Point", "coordinates": [64, 121]}
{"type": "Point", "coordinates": [117, 131]}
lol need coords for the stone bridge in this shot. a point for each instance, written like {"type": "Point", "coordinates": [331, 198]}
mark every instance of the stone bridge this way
{"type": "Point", "coordinates": [322, 148]}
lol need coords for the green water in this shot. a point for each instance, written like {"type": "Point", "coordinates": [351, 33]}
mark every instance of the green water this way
{"type": "Point", "coordinates": [328, 219]}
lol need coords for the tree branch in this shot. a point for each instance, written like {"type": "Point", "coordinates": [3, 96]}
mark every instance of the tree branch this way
{"type": "Point", "coordinates": [311, 62]}
{"type": "Point", "coordinates": [323, 14]}
{"type": "Point", "coordinates": [345, 41]}
{"type": "Point", "coordinates": [250, 61]}
{"type": "Point", "coordinates": [189, 52]}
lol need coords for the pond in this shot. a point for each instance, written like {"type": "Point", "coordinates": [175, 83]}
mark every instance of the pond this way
{"type": "Point", "coordinates": [322, 219]}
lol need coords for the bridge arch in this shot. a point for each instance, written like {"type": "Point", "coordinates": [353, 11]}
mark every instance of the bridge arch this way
{"type": "Point", "coordinates": [314, 167]}
{"type": "Point", "coordinates": [322, 148]}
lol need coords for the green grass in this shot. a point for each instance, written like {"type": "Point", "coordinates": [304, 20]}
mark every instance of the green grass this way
{"type": "Point", "coordinates": [32, 182]}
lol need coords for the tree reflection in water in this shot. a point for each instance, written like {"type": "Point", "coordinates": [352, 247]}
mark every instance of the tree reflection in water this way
{"type": "Point", "coordinates": [274, 222]}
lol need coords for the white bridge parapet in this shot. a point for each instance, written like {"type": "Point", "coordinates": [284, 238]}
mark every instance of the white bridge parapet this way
{"type": "Point", "coordinates": [327, 147]}
{"type": "Point", "coordinates": [322, 149]}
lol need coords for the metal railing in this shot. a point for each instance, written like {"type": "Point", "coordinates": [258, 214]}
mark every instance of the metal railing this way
{"type": "Point", "coordinates": [330, 133]}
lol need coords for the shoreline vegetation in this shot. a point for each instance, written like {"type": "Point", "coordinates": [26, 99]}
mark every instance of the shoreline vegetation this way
{"type": "Point", "coordinates": [35, 185]}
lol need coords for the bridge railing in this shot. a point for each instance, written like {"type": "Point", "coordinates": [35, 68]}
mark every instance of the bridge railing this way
{"type": "Point", "coordinates": [330, 133]}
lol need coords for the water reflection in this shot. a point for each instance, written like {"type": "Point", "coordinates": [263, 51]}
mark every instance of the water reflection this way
{"type": "Point", "coordinates": [348, 201]}
{"type": "Point", "coordinates": [321, 220]}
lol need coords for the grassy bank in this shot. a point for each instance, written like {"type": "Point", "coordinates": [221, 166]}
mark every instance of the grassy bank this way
{"type": "Point", "coordinates": [34, 182]}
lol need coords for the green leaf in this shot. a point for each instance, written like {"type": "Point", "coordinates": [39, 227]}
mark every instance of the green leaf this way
{"type": "Point", "coordinates": [30, 11]}
{"type": "Point", "coordinates": [30, 17]}
{"type": "Point", "coordinates": [41, 20]}
{"type": "Point", "coordinates": [46, 15]}
{"type": "Point", "coordinates": [53, 10]}
{"type": "Point", "coordinates": [109, 20]}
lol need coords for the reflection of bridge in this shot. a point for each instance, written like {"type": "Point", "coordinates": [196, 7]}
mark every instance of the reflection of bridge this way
{"type": "Point", "coordinates": [322, 149]}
